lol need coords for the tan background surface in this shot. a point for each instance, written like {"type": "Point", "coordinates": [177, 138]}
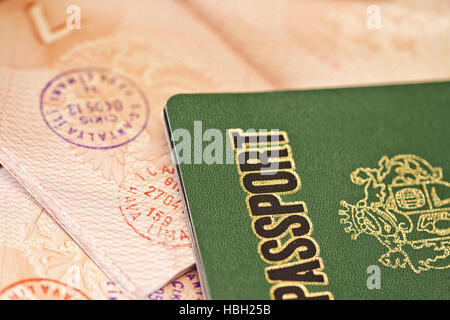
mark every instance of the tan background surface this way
{"type": "Point", "coordinates": [170, 47]}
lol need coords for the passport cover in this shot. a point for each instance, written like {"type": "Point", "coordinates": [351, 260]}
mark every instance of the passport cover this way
{"type": "Point", "coordinates": [356, 207]}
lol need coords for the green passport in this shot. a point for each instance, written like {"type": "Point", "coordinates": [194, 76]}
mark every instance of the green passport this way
{"type": "Point", "coordinates": [317, 194]}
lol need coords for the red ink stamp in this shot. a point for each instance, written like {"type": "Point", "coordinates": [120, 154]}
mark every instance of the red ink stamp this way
{"type": "Point", "coordinates": [41, 289]}
{"type": "Point", "coordinates": [151, 206]}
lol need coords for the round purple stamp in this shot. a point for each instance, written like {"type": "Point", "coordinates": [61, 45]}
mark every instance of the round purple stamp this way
{"type": "Point", "coordinates": [94, 108]}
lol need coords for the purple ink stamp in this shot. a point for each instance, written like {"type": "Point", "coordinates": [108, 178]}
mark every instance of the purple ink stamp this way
{"type": "Point", "coordinates": [94, 108]}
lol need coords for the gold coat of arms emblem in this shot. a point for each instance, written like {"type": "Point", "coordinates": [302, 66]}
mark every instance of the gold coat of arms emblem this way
{"type": "Point", "coordinates": [406, 207]}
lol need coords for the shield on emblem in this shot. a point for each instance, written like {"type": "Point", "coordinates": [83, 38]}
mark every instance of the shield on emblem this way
{"type": "Point", "coordinates": [428, 206]}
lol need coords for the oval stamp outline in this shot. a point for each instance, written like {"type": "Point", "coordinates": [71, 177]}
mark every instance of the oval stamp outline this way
{"type": "Point", "coordinates": [102, 70]}
{"type": "Point", "coordinates": [37, 280]}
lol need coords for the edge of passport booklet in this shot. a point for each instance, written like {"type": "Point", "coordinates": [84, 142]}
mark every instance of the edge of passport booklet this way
{"type": "Point", "coordinates": [129, 287]}
{"type": "Point", "coordinates": [189, 223]}
{"type": "Point", "coordinates": [169, 102]}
